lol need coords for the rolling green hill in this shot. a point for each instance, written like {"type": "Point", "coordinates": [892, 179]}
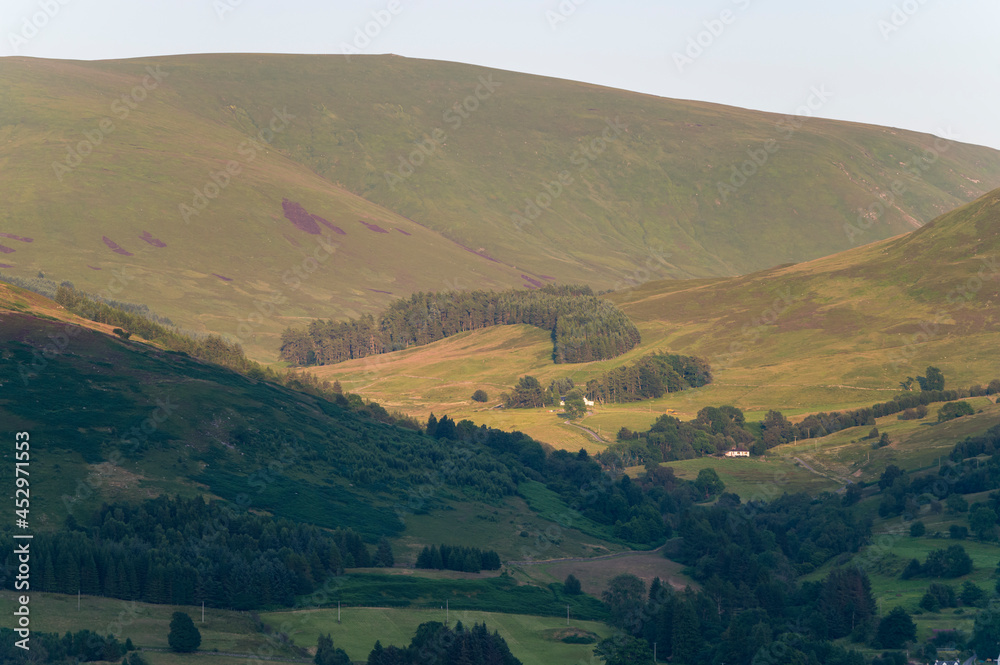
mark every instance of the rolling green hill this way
{"type": "Point", "coordinates": [838, 332]}
{"type": "Point", "coordinates": [100, 157]}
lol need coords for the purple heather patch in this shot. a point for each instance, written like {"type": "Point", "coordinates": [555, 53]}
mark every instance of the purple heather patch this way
{"type": "Point", "coordinates": [94, 267]}
{"type": "Point", "coordinates": [404, 232]}
{"type": "Point", "coordinates": [5, 249]}
{"type": "Point", "coordinates": [377, 291]}
{"type": "Point", "coordinates": [336, 229]}
{"type": "Point", "coordinates": [298, 216]}
{"type": "Point", "coordinates": [14, 237]}
{"type": "Point", "coordinates": [223, 277]}
{"type": "Point", "coordinates": [534, 282]}
{"type": "Point", "coordinates": [115, 247]}
{"type": "Point", "coordinates": [373, 227]}
{"type": "Point", "coordinates": [6, 265]}
{"type": "Point", "coordinates": [551, 279]}
{"type": "Point", "coordinates": [148, 237]}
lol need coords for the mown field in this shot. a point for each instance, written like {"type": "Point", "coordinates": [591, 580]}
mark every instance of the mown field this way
{"type": "Point", "coordinates": [534, 640]}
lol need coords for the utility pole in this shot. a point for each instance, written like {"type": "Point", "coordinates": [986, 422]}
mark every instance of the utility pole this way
{"type": "Point", "coordinates": [654, 652]}
{"type": "Point", "coordinates": [338, 611]}
{"type": "Point", "coordinates": [447, 622]}
{"type": "Point", "coordinates": [203, 611]}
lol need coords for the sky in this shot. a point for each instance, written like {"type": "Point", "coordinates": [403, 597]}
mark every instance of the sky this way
{"type": "Point", "coordinates": [925, 65]}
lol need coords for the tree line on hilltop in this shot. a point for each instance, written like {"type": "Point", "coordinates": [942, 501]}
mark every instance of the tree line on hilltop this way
{"type": "Point", "coordinates": [583, 326]}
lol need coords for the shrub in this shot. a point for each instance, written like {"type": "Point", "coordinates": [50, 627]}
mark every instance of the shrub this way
{"type": "Point", "coordinates": [183, 637]}
{"type": "Point", "coordinates": [917, 529]}
{"type": "Point", "coordinates": [480, 396]}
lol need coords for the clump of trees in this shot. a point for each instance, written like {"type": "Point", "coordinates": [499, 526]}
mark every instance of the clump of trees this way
{"type": "Point", "coordinates": [527, 394]}
{"type": "Point", "coordinates": [82, 646]}
{"type": "Point", "coordinates": [951, 562]}
{"type": "Point", "coordinates": [463, 559]}
{"type": "Point", "coordinates": [436, 643]}
{"type": "Point", "coordinates": [953, 410]}
{"type": "Point", "coordinates": [583, 326]}
{"type": "Point", "coordinates": [480, 396]}
{"type": "Point", "coordinates": [650, 377]}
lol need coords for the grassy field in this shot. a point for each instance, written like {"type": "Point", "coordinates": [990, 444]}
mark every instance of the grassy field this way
{"type": "Point", "coordinates": [594, 574]}
{"type": "Point", "coordinates": [498, 528]}
{"type": "Point", "coordinates": [146, 625]}
{"type": "Point", "coordinates": [757, 479]}
{"type": "Point", "coordinates": [531, 639]}
{"type": "Point", "coordinates": [916, 444]}
{"type": "Point", "coordinates": [329, 130]}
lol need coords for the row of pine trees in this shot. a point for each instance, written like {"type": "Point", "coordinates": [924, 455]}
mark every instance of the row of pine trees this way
{"type": "Point", "coordinates": [463, 559]}
{"type": "Point", "coordinates": [584, 327]}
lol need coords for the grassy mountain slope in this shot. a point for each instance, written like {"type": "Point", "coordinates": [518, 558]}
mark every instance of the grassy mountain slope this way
{"type": "Point", "coordinates": [124, 421]}
{"type": "Point", "coordinates": [836, 332]}
{"type": "Point", "coordinates": [647, 206]}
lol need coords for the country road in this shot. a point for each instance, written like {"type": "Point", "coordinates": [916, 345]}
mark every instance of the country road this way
{"type": "Point", "coordinates": [592, 433]}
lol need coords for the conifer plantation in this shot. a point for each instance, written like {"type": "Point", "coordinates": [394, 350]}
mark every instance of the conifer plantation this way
{"type": "Point", "coordinates": [584, 327]}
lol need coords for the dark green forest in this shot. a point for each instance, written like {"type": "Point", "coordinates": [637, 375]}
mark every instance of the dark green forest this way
{"type": "Point", "coordinates": [583, 326]}
{"type": "Point", "coordinates": [184, 551]}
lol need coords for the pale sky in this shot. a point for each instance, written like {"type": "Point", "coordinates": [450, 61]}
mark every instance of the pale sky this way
{"type": "Point", "coordinates": [926, 65]}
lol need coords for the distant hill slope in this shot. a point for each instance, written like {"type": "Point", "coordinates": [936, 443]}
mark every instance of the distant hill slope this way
{"type": "Point", "coordinates": [838, 332]}
{"type": "Point", "coordinates": [869, 316]}
{"type": "Point", "coordinates": [99, 157]}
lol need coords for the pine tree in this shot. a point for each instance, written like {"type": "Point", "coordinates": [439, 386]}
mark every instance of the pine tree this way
{"type": "Point", "coordinates": [384, 557]}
